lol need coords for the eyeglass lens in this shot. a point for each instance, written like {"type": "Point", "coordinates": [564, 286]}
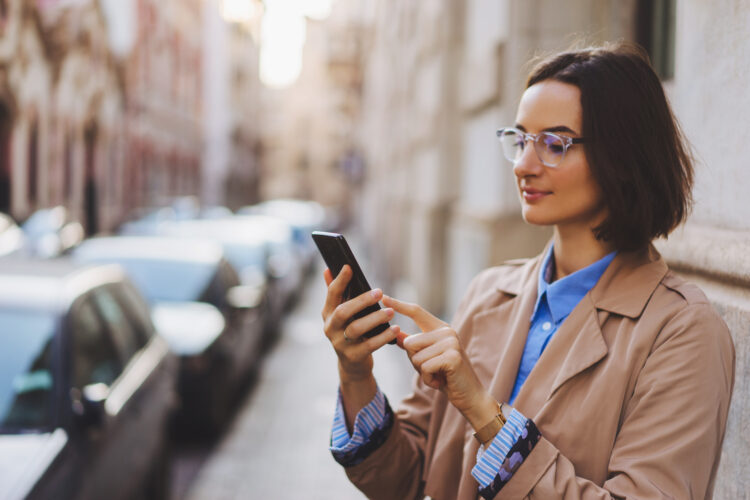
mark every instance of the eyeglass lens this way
{"type": "Point", "coordinates": [549, 147]}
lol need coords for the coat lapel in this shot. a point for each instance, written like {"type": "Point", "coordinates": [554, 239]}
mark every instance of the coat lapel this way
{"type": "Point", "coordinates": [503, 328]}
{"type": "Point", "coordinates": [518, 320]}
{"type": "Point", "coordinates": [623, 289]}
{"type": "Point", "coordinates": [576, 346]}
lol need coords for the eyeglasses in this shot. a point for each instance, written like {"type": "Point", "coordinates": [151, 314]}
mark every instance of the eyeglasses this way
{"type": "Point", "coordinates": [549, 147]}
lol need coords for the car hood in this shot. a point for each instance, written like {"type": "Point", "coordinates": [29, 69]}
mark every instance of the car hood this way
{"type": "Point", "coordinates": [188, 327]}
{"type": "Point", "coordinates": [24, 458]}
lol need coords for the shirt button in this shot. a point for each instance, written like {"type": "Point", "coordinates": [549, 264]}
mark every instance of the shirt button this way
{"type": "Point", "coordinates": [546, 326]}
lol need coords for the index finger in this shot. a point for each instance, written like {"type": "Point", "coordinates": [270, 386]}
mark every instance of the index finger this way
{"type": "Point", "coordinates": [424, 320]}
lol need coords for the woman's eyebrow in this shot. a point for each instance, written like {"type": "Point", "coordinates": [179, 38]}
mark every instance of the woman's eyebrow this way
{"type": "Point", "coordinates": [558, 128]}
{"type": "Point", "coordinates": [561, 128]}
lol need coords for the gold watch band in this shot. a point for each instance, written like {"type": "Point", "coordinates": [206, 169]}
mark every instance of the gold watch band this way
{"type": "Point", "coordinates": [489, 431]}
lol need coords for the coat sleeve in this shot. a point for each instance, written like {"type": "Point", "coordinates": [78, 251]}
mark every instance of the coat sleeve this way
{"type": "Point", "coordinates": [672, 427]}
{"type": "Point", "coordinates": [397, 467]}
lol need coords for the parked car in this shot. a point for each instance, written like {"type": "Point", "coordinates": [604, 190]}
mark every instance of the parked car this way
{"type": "Point", "coordinates": [284, 264]}
{"type": "Point", "coordinates": [50, 232]}
{"type": "Point", "coordinates": [12, 239]}
{"type": "Point", "coordinates": [255, 256]}
{"type": "Point", "coordinates": [304, 216]}
{"type": "Point", "coordinates": [147, 221]}
{"type": "Point", "coordinates": [86, 386]}
{"type": "Point", "coordinates": [212, 322]}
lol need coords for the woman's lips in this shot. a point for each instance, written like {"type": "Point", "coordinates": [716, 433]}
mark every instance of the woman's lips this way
{"type": "Point", "coordinates": [532, 195]}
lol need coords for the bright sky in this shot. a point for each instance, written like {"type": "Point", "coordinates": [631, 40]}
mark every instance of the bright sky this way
{"type": "Point", "coordinates": [283, 38]}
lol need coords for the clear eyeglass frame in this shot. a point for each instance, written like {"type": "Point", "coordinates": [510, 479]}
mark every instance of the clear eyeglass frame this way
{"type": "Point", "coordinates": [550, 148]}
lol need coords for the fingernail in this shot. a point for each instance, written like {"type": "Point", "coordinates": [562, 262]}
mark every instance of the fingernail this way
{"type": "Point", "coordinates": [388, 311]}
{"type": "Point", "coordinates": [376, 293]}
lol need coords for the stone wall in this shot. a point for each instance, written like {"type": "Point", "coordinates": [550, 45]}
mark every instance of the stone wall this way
{"type": "Point", "coordinates": [709, 96]}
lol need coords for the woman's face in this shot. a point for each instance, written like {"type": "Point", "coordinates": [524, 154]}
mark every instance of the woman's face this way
{"type": "Point", "coordinates": [566, 195]}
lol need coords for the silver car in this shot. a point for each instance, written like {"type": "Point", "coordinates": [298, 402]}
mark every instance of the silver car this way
{"type": "Point", "coordinates": [86, 387]}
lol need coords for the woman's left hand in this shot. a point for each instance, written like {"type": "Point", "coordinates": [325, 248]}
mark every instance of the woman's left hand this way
{"type": "Point", "coordinates": [443, 364]}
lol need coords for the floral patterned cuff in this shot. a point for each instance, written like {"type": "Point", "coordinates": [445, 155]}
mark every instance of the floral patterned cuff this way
{"type": "Point", "coordinates": [512, 460]}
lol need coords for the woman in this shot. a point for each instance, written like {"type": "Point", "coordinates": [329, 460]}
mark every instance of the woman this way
{"type": "Point", "coordinates": [591, 371]}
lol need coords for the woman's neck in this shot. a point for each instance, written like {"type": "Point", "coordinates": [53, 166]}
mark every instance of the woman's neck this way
{"type": "Point", "coordinates": [576, 249]}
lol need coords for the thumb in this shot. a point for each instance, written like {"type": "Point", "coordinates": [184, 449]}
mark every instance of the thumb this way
{"type": "Point", "coordinates": [424, 320]}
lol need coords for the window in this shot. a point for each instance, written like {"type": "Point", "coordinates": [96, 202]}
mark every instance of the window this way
{"type": "Point", "coordinates": [95, 358]}
{"type": "Point", "coordinates": [117, 323]}
{"type": "Point", "coordinates": [138, 312]}
{"type": "Point", "coordinates": [33, 166]}
{"type": "Point", "coordinates": [3, 15]}
{"type": "Point", "coordinates": [655, 31]}
{"type": "Point", "coordinates": [26, 375]}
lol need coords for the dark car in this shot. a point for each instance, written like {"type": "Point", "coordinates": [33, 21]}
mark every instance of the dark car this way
{"type": "Point", "coordinates": [209, 319]}
{"type": "Point", "coordinates": [253, 244]}
{"type": "Point", "coordinates": [86, 387]}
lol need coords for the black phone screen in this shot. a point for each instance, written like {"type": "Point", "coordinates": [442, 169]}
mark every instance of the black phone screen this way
{"type": "Point", "coordinates": [336, 253]}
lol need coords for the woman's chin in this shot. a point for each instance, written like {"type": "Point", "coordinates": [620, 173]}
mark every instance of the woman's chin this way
{"type": "Point", "coordinates": [534, 218]}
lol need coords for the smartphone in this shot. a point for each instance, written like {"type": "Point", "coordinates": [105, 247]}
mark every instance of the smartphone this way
{"type": "Point", "coordinates": [336, 253]}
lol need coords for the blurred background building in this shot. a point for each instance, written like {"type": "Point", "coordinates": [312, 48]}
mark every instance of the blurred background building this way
{"type": "Point", "coordinates": [108, 107]}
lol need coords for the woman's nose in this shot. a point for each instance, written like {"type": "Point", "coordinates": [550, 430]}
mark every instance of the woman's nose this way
{"type": "Point", "coordinates": [528, 163]}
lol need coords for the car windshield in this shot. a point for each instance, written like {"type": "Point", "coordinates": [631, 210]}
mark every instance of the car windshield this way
{"type": "Point", "coordinates": [242, 256]}
{"type": "Point", "coordinates": [163, 280]}
{"type": "Point", "coordinates": [25, 370]}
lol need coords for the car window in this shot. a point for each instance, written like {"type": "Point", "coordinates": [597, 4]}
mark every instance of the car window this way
{"type": "Point", "coordinates": [162, 280]}
{"type": "Point", "coordinates": [26, 375]}
{"type": "Point", "coordinates": [137, 311]}
{"type": "Point", "coordinates": [229, 275]}
{"type": "Point", "coordinates": [95, 358]}
{"type": "Point", "coordinates": [123, 334]}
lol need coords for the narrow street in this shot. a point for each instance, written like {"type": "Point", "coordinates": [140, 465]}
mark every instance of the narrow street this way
{"type": "Point", "coordinates": [277, 446]}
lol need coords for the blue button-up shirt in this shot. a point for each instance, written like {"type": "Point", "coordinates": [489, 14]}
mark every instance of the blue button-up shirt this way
{"type": "Point", "coordinates": [554, 303]}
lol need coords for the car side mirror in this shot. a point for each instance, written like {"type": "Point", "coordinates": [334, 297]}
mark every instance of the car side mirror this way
{"type": "Point", "coordinates": [88, 404]}
{"type": "Point", "coordinates": [245, 296]}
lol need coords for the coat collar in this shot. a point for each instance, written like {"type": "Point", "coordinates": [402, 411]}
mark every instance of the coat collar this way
{"type": "Point", "coordinates": [624, 288]}
{"type": "Point", "coordinates": [628, 283]}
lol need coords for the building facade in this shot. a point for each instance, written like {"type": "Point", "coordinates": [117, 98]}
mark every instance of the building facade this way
{"type": "Point", "coordinates": [164, 85]}
{"type": "Point", "coordinates": [61, 111]}
{"type": "Point", "coordinates": [231, 106]}
{"type": "Point", "coordinates": [104, 128]}
{"type": "Point", "coordinates": [311, 148]}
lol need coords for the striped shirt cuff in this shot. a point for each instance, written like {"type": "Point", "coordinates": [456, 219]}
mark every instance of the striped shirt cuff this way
{"type": "Point", "coordinates": [369, 418]}
{"type": "Point", "coordinates": [491, 459]}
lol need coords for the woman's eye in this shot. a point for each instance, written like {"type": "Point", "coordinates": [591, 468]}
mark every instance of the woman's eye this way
{"type": "Point", "coordinates": [553, 144]}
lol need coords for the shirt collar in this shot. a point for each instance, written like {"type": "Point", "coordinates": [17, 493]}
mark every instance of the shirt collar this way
{"type": "Point", "coordinates": [564, 294]}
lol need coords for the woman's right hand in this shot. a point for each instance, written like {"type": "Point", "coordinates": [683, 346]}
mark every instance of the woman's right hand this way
{"type": "Point", "coordinates": [353, 350]}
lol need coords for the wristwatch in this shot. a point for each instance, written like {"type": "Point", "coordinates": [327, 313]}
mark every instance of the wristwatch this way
{"type": "Point", "coordinates": [489, 431]}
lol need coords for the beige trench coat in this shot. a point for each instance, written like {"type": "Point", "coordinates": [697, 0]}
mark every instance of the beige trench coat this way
{"type": "Point", "coordinates": [631, 394]}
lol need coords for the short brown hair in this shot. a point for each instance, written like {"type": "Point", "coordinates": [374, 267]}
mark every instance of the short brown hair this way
{"type": "Point", "coordinates": [635, 148]}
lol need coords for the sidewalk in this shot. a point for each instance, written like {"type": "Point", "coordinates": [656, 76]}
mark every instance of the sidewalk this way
{"type": "Point", "coordinates": [277, 447]}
